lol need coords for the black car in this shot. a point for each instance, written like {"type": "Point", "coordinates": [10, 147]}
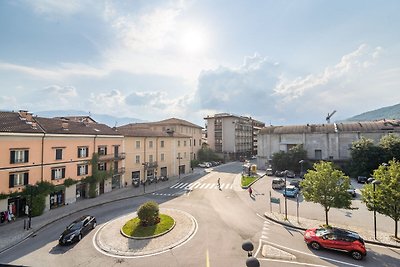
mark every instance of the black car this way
{"type": "Point", "coordinates": [77, 229]}
{"type": "Point", "coordinates": [295, 183]}
{"type": "Point", "coordinates": [362, 179]}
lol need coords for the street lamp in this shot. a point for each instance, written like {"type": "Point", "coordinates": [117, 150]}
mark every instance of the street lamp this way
{"type": "Point", "coordinates": [145, 164]}
{"type": "Point", "coordinates": [285, 196]}
{"type": "Point", "coordinates": [374, 182]}
{"type": "Point", "coordinates": [179, 166]}
{"type": "Point", "coordinates": [251, 261]}
{"type": "Point", "coordinates": [301, 167]}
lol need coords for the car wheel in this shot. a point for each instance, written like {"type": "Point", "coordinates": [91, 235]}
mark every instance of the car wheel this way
{"type": "Point", "coordinates": [357, 255]}
{"type": "Point", "coordinates": [315, 245]}
{"type": "Point", "coordinates": [94, 225]}
{"type": "Point", "coordinates": [79, 237]}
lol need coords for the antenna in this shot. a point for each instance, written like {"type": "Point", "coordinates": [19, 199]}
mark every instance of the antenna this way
{"type": "Point", "coordinates": [328, 118]}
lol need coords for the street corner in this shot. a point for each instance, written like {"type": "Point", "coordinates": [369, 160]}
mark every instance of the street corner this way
{"type": "Point", "coordinates": [272, 252]}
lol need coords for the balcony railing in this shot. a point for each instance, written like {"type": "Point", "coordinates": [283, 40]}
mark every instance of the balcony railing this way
{"type": "Point", "coordinates": [109, 157]}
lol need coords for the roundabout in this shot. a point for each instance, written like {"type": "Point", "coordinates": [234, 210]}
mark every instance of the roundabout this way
{"type": "Point", "coordinates": [110, 241]}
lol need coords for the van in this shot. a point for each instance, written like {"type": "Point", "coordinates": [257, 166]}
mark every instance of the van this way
{"type": "Point", "coordinates": [278, 183]}
{"type": "Point", "coordinates": [269, 172]}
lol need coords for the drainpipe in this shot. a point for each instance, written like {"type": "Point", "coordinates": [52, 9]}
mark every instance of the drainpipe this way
{"type": "Point", "coordinates": [42, 159]}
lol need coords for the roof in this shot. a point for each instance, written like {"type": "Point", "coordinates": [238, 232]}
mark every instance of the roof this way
{"type": "Point", "coordinates": [140, 130]}
{"type": "Point", "coordinates": [175, 121]}
{"type": "Point", "coordinates": [228, 115]}
{"type": "Point", "coordinates": [368, 126]}
{"type": "Point", "coordinates": [12, 122]}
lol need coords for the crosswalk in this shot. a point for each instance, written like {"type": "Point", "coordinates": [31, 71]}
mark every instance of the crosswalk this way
{"type": "Point", "coordinates": [198, 185]}
{"type": "Point", "coordinates": [265, 230]}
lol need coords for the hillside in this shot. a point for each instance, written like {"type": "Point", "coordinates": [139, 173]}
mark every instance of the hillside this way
{"type": "Point", "coordinates": [391, 112]}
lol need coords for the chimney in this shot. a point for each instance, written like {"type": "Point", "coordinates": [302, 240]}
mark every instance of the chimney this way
{"type": "Point", "coordinates": [34, 125]}
{"type": "Point", "coordinates": [64, 125]}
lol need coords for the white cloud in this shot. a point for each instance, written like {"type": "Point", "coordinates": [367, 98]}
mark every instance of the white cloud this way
{"type": "Point", "coordinates": [59, 91]}
{"type": "Point", "coordinates": [54, 7]}
{"type": "Point", "coordinates": [109, 100]}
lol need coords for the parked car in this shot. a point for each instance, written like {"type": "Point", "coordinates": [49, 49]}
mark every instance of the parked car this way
{"type": "Point", "coordinates": [362, 179]}
{"type": "Point", "coordinates": [278, 183]}
{"type": "Point", "coordinates": [295, 183]}
{"type": "Point", "coordinates": [290, 174]}
{"type": "Point", "coordinates": [269, 172]}
{"type": "Point", "coordinates": [352, 191]}
{"type": "Point", "coordinates": [337, 239]}
{"type": "Point", "coordinates": [280, 173]}
{"type": "Point", "coordinates": [77, 229]}
{"type": "Point", "coordinates": [202, 165]}
{"type": "Point", "coordinates": [135, 182]}
{"type": "Point", "coordinates": [290, 191]}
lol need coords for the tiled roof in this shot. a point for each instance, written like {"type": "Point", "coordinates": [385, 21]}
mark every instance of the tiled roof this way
{"type": "Point", "coordinates": [369, 126]}
{"type": "Point", "coordinates": [141, 130]}
{"type": "Point", "coordinates": [175, 121]}
{"type": "Point", "coordinates": [59, 126]}
{"type": "Point", "coordinates": [12, 123]}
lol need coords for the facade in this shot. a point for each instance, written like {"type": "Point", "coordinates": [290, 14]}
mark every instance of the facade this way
{"type": "Point", "coordinates": [152, 153]}
{"type": "Point", "coordinates": [178, 126]}
{"type": "Point", "coordinates": [321, 141]}
{"type": "Point", "coordinates": [233, 136]}
{"type": "Point", "coordinates": [34, 149]}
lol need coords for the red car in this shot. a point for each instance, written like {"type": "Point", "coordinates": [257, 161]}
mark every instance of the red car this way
{"type": "Point", "coordinates": [337, 239]}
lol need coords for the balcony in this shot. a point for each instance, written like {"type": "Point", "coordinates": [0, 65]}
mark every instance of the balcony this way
{"type": "Point", "coordinates": [109, 157]}
{"type": "Point", "coordinates": [119, 170]}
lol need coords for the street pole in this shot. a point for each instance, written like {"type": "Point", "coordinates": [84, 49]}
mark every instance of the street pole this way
{"type": "Point", "coordinates": [30, 208]}
{"type": "Point", "coordinates": [285, 197]}
{"type": "Point", "coordinates": [373, 184]}
{"type": "Point", "coordinates": [179, 167]}
{"type": "Point", "coordinates": [297, 211]}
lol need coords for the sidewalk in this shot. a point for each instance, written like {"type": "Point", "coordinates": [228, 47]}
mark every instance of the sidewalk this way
{"type": "Point", "coordinates": [14, 232]}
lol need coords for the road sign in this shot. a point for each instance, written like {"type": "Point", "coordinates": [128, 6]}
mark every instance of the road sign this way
{"type": "Point", "coordinates": [275, 200]}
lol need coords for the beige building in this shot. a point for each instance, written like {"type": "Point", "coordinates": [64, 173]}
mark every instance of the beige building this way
{"type": "Point", "coordinates": [153, 153]}
{"type": "Point", "coordinates": [34, 149]}
{"type": "Point", "coordinates": [321, 141]}
{"type": "Point", "coordinates": [232, 136]}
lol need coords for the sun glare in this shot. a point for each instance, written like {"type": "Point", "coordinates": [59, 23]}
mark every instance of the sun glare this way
{"type": "Point", "coordinates": [194, 41]}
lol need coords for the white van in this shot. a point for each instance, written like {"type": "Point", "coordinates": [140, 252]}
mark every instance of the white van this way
{"type": "Point", "coordinates": [269, 172]}
{"type": "Point", "coordinates": [278, 183]}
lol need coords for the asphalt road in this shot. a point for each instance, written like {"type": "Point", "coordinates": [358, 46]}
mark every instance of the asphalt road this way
{"type": "Point", "coordinates": [226, 218]}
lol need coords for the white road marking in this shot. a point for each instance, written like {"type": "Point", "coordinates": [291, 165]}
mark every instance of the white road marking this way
{"type": "Point", "coordinates": [292, 262]}
{"type": "Point", "coordinates": [175, 185]}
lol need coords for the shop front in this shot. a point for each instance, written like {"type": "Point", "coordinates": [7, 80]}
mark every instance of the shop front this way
{"type": "Point", "coordinates": [57, 199]}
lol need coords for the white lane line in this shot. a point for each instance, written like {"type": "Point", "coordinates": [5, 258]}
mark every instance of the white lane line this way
{"type": "Point", "coordinates": [183, 185]}
{"type": "Point", "coordinates": [197, 185]}
{"type": "Point", "coordinates": [192, 185]}
{"type": "Point", "coordinates": [201, 187]}
{"type": "Point", "coordinates": [258, 249]}
{"type": "Point", "coordinates": [292, 262]}
{"type": "Point", "coordinates": [175, 185]}
{"type": "Point", "coordinates": [207, 185]}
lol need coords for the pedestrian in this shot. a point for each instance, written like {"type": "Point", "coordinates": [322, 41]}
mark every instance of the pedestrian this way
{"type": "Point", "coordinates": [250, 191]}
{"type": "Point", "coordinates": [219, 183]}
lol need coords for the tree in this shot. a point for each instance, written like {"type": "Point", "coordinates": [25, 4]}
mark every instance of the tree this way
{"type": "Point", "coordinates": [386, 198]}
{"type": "Point", "coordinates": [390, 145]}
{"type": "Point", "coordinates": [148, 213]}
{"type": "Point", "coordinates": [207, 154]}
{"type": "Point", "coordinates": [365, 157]}
{"type": "Point", "coordinates": [290, 160]}
{"type": "Point", "coordinates": [327, 186]}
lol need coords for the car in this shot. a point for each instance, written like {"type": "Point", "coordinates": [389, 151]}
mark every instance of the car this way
{"type": "Point", "coordinates": [77, 229]}
{"type": "Point", "coordinates": [362, 179]}
{"type": "Point", "coordinates": [202, 165]}
{"type": "Point", "coordinates": [269, 172]}
{"type": "Point", "coordinates": [279, 173]}
{"type": "Point", "coordinates": [295, 183]}
{"type": "Point", "coordinates": [352, 191]}
{"type": "Point", "coordinates": [254, 157]}
{"type": "Point", "coordinates": [290, 174]}
{"type": "Point", "coordinates": [290, 191]}
{"type": "Point", "coordinates": [278, 183]}
{"type": "Point", "coordinates": [337, 239]}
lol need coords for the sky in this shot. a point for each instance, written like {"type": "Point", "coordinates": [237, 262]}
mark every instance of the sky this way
{"type": "Point", "coordinates": [281, 62]}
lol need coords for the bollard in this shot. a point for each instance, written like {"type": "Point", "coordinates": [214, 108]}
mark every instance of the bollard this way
{"type": "Point", "coordinates": [24, 224]}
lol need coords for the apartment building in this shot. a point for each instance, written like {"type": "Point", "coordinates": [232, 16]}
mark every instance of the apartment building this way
{"type": "Point", "coordinates": [34, 149]}
{"type": "Point", "coordinates": [153, 153]}
{"type": "Point", "coordinates": [179, 126]}
{"type": "Point", "coordinates": [232, 136]}
{"type": "Point", "coordinates": [321, 141]}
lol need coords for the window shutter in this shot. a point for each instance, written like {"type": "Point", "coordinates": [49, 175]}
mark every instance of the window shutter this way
{"type": "Point", "coordinates": [105, 150]}
{"type": "Point", "coordinates": [26, 178]}
{"type": "Point", "coordinates": [79, 153]}
{"type": "Point", "coordinates": [12, 156]}
{"type": "Point", "coordinates": [87, 152]}
{"type": "Point", "coordinates": [11, 181]}
{"type": "Point", "coordinates": [77, 170]}
{"type": "Point", "coordinates": [63, 173]}
{"type": "Point", "coordinates": [105, 166]}
{"type": "Point", "coordinates": [26, 155]}
{"type": "Point", "coordinates": [86, 169]}
{"type": "Point", "coordinates": [53, 174]}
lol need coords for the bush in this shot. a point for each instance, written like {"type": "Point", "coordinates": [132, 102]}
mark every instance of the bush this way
{"type": "Point", "coordinates": [38, 205]}
{"type": "Point", "coordinates": [148, 213]}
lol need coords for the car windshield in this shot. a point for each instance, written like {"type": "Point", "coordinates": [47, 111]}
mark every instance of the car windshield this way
{"type": "Point", "coordinates": [75, 226]}
{"type": "Point", "coordinates": [290, 188]}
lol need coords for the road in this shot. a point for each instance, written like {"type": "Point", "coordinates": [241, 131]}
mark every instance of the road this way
{"type": "Point", "coordinates": [226, 218]}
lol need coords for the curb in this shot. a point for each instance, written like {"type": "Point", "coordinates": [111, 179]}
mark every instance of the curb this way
{"type": "Point", "coordinates": [246, 187]}
{"type": "Point", "coordinates": [82, 209]}
{"type": "Point", "coordinates": [303, 229]}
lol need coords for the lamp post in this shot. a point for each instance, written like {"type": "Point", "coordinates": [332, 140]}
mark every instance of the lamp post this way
{"type": "Point", "coordinates": [285, 196]}
{"type": "Point", "coordinates": [301, 167]}
{"type": "Point", "coordinates": [374, 182]}
{"type": "Point", "coordinates": [144, 176]}
{"type": "Point", "coordinates": [250, 261]}
{"type": "Point", "coordinates": [179, 166]}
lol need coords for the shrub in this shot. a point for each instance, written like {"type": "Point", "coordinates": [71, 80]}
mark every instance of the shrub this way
{"type": "Point", "coordinates": [148, 213]}
{"type": "Point", "coordinates": [38, 205]}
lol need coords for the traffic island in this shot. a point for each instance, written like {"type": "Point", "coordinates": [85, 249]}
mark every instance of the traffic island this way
{"type": "Point", "coordinates": [134, 229]}
{"type": "Point", "coordinates": [109, 240]}
{"type": "Point", "coordinates": [271, 252]}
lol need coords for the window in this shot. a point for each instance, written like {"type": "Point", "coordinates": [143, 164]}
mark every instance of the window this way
{"type": "Point", "coordinates": [184, 143]}
{"type": "Point", "coordinates": [199, 142]}
{"type": "Point", "coordinates": [136, 175]}
{"type": "Point", "coordinates": [102, 150]}
{"type": "Point", "coordinates": [82, 170]}
{"type": "Point", "coordinates": [137, 144]}
{"type": "Point", "coordinates": [162, 143]}
{"type": "Point", "coordinates": [102, 166]}
{"type": "Point", "coordinates": [184, 155]}
{"type": "Point", "coordinates": [59, 153]}
{"type": "Point", "coordinates": [179, 155]}
{"type": "Point", "coordinates": [194, 142]}
{"type": "Point", "coordinates": [190, 142]}
{"type": "Point", "coordinates": [137, 160]}
{"type": "Point", "coordinates": [58, 173]}
{"type": "Point", "coordinates": [18, 179]}
{"type": "Point", "coordinates": [19, 156]}
{"type": "Point", "coordinates": [150, 158]}
{"type": "Point", "coordinates": [179, 143]}
{"type": "Point", "coordinates": [162, 157]}
{"type": "Point", "coordinates": [83, 152]}
{"type": "Point", "coordinates": [318, 154]}
{"type": "Point", "coordinates": [150, 144]}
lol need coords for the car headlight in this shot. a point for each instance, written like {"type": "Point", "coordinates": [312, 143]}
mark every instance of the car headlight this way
{"type": "Point", "coordinates": [307, 235]}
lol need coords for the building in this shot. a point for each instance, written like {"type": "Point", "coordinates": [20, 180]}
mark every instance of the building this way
{"type": "Point", "coordinates": [231, 136]}
{"type": "Point", "coordinates": [35, 149]}
{"type": "Point", "coordinates": [153, 153]}
{"type": "Point", "coordinates": [178, 126]}
{"type": "Point", "coordinates": [321, 141]}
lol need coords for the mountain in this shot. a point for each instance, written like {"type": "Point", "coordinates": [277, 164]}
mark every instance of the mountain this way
{"type": "Point", "coordinates": [391, 112]}
{"type": "Point", "coordinates": [100, 118]}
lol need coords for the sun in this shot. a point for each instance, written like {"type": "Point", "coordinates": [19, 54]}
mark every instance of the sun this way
{"type": "Point", "coordinates": [194, 40]}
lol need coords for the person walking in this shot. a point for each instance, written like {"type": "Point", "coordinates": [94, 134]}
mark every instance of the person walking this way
{"type": "Point", "coordinates": [219, 183]}
{"type": "Point", "coordinates": [250, 191]}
